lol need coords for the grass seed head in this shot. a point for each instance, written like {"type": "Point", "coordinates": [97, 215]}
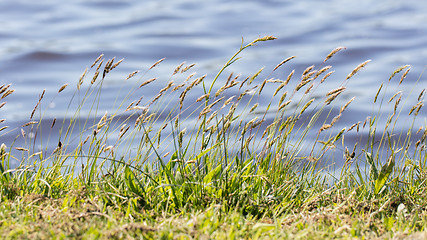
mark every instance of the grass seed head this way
{"type": "Point", "coordinates": [309, 88]}
{"type": "Point", "coordinates": [307, 70]}
{"type": "Point", "coordinates": [96, 60]}
{"type": "Point", "coordinates": [332, 97]}
{"type": "Point", "coordinates": [81, 79]}
{"type": "Point", "coordinates": [211, 117]}
{"type": "Point", "coordinates": [95, 76]}
{"type": "Point", "coordinates": [116, 64]}
{"type": "Point", "coordinates": [378, 92]}
{"type": "Point", "coordinates": [187, 68]}
{"type": "Point", "coordinates": [177, 87]}
{"type": "Point", "coordinates": [284, 105]}
{"type": "Point", "coordinates": [333, 52]}
{"type": "Point", "coordinates": [62, 87]}
{"type": "Point", "coordinates": [326, 76]}
{"type": "Point", "coordinates": [253, 107]}
{"type": "Point", "coordinates": [332, 92]}
{"type": "Point", "coordinates": [263, 39]}
{"type": "Point", "coordinates": [283, 62]}
{"type": "Point", "coordinates": [7, 93]}
{"type": "Point", "coordinates": [398, 93]}
{"type": "Point", "coordinates": [357, 69]}
{"type": "Point", "coordinates": [227, 101]}
{"type": "Point", "coordinates": [4, 88]}
{"type": "Point", "coordinates": [178, 68]}
{"type": "Point", "coordinates": [307, 105]}
{"type": "Point", "coordinates": [346, 104]}
{"type": "Point", "coordinates": [30, 123]}
{"type": "Point", "coordinates": [156, 63]}
{"type": "Point", "coordinates": [324, 69]}
{"type": "Point", "coordinates": [398, 70]}
{"type": "Point", "coordinates": [251, 79]}
{"type": "Point", "coordinates": [147, 82]}
{"type": "Point", "coordinates": [335, 119]}
{"type": "Point", "coordinates": [204, 96]}
{"type": "Point", "coordinates": [289, 77]}
{"type": "Point", "coordinates": [325, 127]}
{"type": "Point", "coordinates": [421, 94]}
{"type": "Point", "coordinates": [404, 75]}
{"type": "Point", "coordinates": [21, 149]}
{"type": "Point", "coordinates": [131, 75]}
{"type": "Point", "coordinates": [352, 126]}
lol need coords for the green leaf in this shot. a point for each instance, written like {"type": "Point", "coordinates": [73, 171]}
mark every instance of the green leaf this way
{"type": "Point", "coordinates": [373, 171]}
{"type": "Point", "coordinates": [212, 174]}
{"type": "Point", "coordinates": [131, 181]}
{"type": "Point", "coordinates": [385, 172]}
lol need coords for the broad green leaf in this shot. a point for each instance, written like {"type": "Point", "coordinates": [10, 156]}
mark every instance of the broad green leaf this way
{"type": "Point", "coordinates": [212, 174]}
{"type": "Point", "coordinates": [374, 171]}
{"type": "Point", "coordinates": [385, 172]}
{"type": "Point", "coordinates": [131, 181]}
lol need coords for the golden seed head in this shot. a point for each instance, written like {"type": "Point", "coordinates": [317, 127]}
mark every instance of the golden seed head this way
{"type": "Point", "coordinates": [324, 69]}
{"type": "Point", "coordinates": [378, 92]}
{"type": "Point", "coordinates": [289, 77]}
{"type": "Point", "coordinates": [340, 89]}
{"type": "Point", "coordinates": [324, 127]}
{"type": "Point", "coordinates": [284, 105]}
{"type": "Point", "coordinates": [335, 119]}
{"type": "Point", "coordinates": [156, 63]}
{"type": "Point", "coordinates": [147, 82]}
{"type": "Point", "coordinates": [251, 79]}
{"type": "Point", "coordinates": [30, 123]}
{"type": "Point", "coordinates": [398, 70]}
{"type": "Point", "coordinates": [116, 64]}
{"type": "Point", "coordinates": [307, 105]}
{"type": "Point", "coordinates": [62, 87]}
{"type": "Point", "coordinates": [421, 94]}
{"type": "Point", "coordinates": [7, 93]}
{"type": "Point", "coordinates": [178, 68]}
{"type": "Point", "coordinates": [95, 76]}
{"type": "Point", "coordinates": [81, 79]}
{"type": "Point", "coordinates": [360, 66]}
{"type": "Point", "coordinates": [187, 67]}
{"type": "Point", "coordinates": [326, 76]}
{"type": "Point", "coordinates": [131, 75]}
{"type": "Point", "coordinates": [266, 38]}
{"type": "Point", "coordinates": [21, 149]}
{"type": "Point", "coordinates": [177, 87]}
{"type": "Point", "coordinates": [404, 75]}
{"type": "Point", "coordinates": [253, 107]}
{"type": "Point", "coordinates": [398, 93]}
{"type": "Point", "coordinates": [204, 96]}
{"type": "Point", "coordinates": [333, 52]}
{"type": "Point", "coordinates": [96, 60]}
{"type": "Point", "coordinates": [283, 62]}
{"type": "Point", "coordinates": [282, 98]}
{"type": "Point", "coordinates": [307, 70]}
{"type": "Point", "coordinates": [346, 105]}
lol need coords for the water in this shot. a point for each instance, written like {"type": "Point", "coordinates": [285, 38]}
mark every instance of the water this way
{"type": "Point", "coordinates": [45, 44]}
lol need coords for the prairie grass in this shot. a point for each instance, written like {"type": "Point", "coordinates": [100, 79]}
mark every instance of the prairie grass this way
{"type": "Point", "coordinates": [219, 165]}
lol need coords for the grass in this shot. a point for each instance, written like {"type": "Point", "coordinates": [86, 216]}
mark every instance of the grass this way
{"type": "Point", "coordinates": [222, 166]}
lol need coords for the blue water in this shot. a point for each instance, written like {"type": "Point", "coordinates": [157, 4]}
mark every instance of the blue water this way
{"type": "Point", "coordinates": [45, 44]}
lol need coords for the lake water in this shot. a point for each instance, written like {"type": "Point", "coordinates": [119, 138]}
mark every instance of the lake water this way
{"type": "Point", "coordinates": [45, 44]}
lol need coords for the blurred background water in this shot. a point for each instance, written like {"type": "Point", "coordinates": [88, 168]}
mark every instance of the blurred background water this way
{"type": "Point", "coordinates": [45, 44]}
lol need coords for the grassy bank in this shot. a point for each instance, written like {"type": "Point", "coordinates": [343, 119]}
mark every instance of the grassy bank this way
{"type": "Point", "coordinates": [219, 165]}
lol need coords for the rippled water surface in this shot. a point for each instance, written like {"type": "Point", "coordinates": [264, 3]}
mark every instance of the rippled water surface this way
{"type": "Point", "coordinates": [45, 44]}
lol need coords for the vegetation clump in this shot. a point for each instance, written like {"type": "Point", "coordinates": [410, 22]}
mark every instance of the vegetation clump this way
{"type": "Point", "coordinates": [217, 158]}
